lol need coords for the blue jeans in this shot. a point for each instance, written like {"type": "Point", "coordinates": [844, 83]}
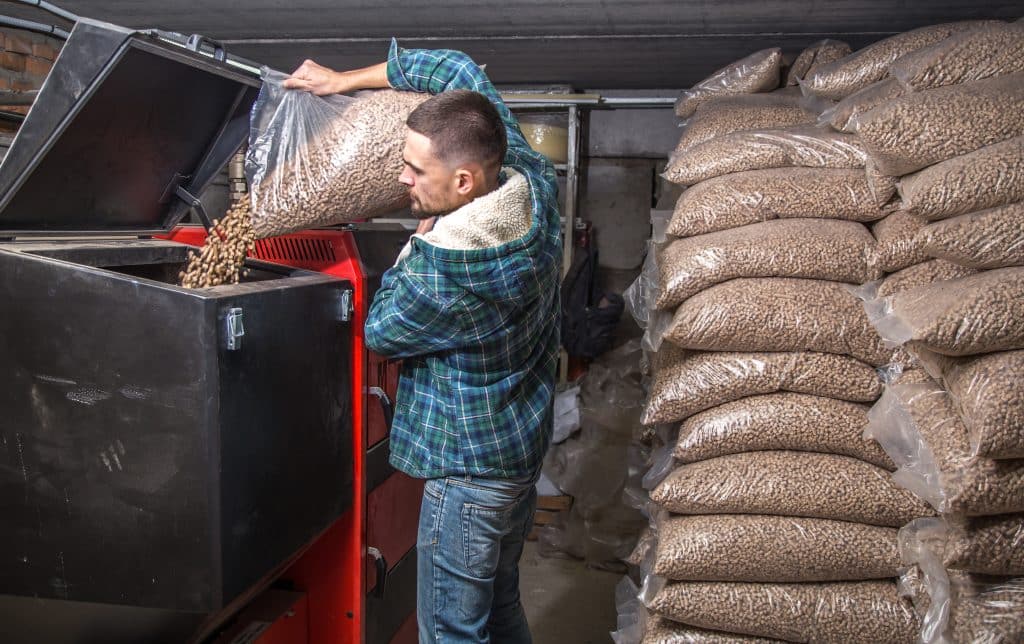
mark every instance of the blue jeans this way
{"type": "Point", "coordinates": [471, 537]}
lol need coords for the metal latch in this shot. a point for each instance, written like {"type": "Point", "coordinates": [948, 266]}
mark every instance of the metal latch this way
{"type": "Point", "coordinates": [345, 306]}
{"type": "Point", "coordinates": [234, 329]}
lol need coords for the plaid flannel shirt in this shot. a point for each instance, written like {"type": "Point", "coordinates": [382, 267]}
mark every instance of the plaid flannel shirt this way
{"type": "Point", "coordinates": [478, 329]}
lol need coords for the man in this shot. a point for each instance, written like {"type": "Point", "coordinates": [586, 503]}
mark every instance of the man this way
{"type": "Point", "coordinates": [472, 307]}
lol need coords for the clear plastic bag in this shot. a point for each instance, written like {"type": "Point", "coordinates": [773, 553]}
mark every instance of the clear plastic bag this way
{"type": "Point", "coordinates": [785, 483]}
{"type": "Point", "coordinates": [976, 314]}
{"type": "Point", "coordinates": [994, 49]}
{"type": "Point", "coordinates": [988, 177]}
{"type": "Point", "coordinates": [814, 56]}
{"type": "Point", "coordinates": [841, 251]}
{"type": "Point", "coordinates": [961, 607]}
{"type": "Point", "coordinates": [918, 275]}
{"type": "Point", "coordinates": [923, 128]}
{"type": "Point", "coordinates": [841, 115]}
{"type": "Point", "coordinates": [641, 297]}
{"type": "Point", "coordinates": [758, 72]}
{"type": "Point", "coordinates": [864, 612]}
{"type": "Point", "coordinates": [689, 382]}
{"type": "Point", "coordinates": [992, 238]}
{"type": "Point", "coordinates": [882, 187]}
{"type": "Point", "coordinates": [778, 314]}
{"type": "Point", "coordinates": [726, 547]}
{"type": "Point", "coordinates": [987, 392]}
{"type": "Point", "coordinates": [745, 198]}
{"type": "Point", "coordinates": [871, 64]}
{"type": "Point", "coordinates": [898, 246]}
{"type": "Point", "coordinates": [728, 114]}
{"type": "Point", "coordinates": [918, 426]}
{"type": "Point", "coordinates": [780, 421]}
{"type": "Point", "coordinates": [665, 631]}
{"type": "Point", "coordinates": [987, 545]}
{"type": "Point", "coordinates": [800, 146]}
{"type": "Point", "coordinates": [631, 622]}
{"type": "Point", "coordinates": [316, 161]}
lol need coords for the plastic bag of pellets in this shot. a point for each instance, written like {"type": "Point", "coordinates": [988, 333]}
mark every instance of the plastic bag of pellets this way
{"type": "Point", "coordinates": [317, 161]}
{"type": "Point", "coordinates": [758, 72]}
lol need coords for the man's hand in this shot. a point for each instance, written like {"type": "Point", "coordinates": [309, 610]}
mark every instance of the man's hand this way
{"type": "Point", "coordinates": [426, 225]}
{"type": "Point", "coordinates": [321, 81]}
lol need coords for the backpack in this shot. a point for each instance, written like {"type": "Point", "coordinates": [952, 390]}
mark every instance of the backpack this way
{"type": "Point", "coordinates": [589, 316]}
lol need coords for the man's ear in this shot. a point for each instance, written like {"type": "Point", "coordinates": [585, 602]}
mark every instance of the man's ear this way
{"type": "Point", "coordinates": [465, 181]}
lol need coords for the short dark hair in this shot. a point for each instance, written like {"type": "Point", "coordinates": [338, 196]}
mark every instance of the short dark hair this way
{"type": "Point", "coordinates": [462, 125]}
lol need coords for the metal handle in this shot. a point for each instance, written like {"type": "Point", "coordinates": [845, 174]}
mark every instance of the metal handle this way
{"type": "Point", "coordinates": [385, 405]}
{"type": "Point", "coordinates": [382, 572]}
{"type": "Point", "coordinates": [196, 42]}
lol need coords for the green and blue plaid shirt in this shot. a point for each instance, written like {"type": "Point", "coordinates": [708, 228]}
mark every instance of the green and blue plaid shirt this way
{"type": "Point", "coordinates": [477, 329]}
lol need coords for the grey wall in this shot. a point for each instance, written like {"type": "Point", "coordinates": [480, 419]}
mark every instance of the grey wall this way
{"type": "Point", "coordinates": [588, 43]}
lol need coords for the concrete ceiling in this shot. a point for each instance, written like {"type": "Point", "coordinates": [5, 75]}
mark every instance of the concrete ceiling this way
{"type": "Point", "coordinates": [650, 44]}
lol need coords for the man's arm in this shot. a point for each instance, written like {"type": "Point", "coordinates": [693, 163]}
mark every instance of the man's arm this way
{"type": "Point", "coordinates": [322, 81]}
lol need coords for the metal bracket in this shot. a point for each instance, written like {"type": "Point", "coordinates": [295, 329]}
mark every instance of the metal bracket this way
{"type": "Point", "coordinates": [195, 204]}
{"type": "Point", "coordinates": [345, 306]}
{"type": "Point", "coordinates": [234, 329]}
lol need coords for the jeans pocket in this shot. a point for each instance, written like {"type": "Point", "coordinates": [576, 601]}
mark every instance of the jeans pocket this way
{"type": "Point", "coordinates": [483, 528]}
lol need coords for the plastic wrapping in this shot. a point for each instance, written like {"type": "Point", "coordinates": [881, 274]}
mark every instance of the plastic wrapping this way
{"type": "Point", "coordinates": [744, 198]}
{"type": "Point", "coordinates": [992, 238]}
{"type": "Point", "coordinates": [567, 414]}
{"type": "Point", "coordinates": [994, 49]}
{"type": "Point", "coordinates": [781, 421]}
{"type": "Point", "coordinates": [898, 246]}
{"type": "Point", "coordinates": [758, 72]}
{"type": "Point", "coordinates": [778, 314]}
{"type": "Point", "coordinates": [814, 56]}
{"type": "Point", "coordinates": [988, 545]}
{"type": "Point", "coordinates": [641, 297]}
{"type": "Point", "coordinates": [728, 114]}
{"type": "Point", "coordinates": [923, 128]}
{"type": "Point", "coordinates": [690, 382]}
{"type": "Point", "coordinates": [918, 426]}
{"type": "Point", "coordinates": [800, 146]}
{"type": "Point", "coordinates": [962, 607]}
{"type": "Point", "coordinates": [988, 177]}
{"type": "Point", "coordinates": [841, 115]}
{"type": "Point", "coordinates": [882, 187]}
{"type": "Point", "coordinates": [864, 612]}
{"type": "Point", "coordinates": [986, 390]}
{"type": "Point", "coordinates": [784, 483]}
{"type": "Point", "coordinates": [922, 274]}
{"type": "Point", "coordinates": [870, 64]}
{"type": "Point", "coordinates": [631, 622]}
{"type": "Point", "coordinates": [665, 631]}
{"type": "Point", "coordinates": [740, 547]}
{"type": "Point", "coordinates": [976, 314]}
{"type": "Point", "coordinates": [841, 251]}
{"type": "Point", "coordinates": [316, 161]}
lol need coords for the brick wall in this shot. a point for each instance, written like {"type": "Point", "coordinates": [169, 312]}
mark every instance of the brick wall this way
{"type": "Point", "coordinates": [25, 60]}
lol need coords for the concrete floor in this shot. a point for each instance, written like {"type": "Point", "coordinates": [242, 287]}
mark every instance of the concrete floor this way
{"type": "Point", "coordinates": [565, 601]}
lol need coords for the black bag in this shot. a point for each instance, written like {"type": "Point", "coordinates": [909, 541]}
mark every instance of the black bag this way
{"type": "Point", "coordinates": [589, 316]}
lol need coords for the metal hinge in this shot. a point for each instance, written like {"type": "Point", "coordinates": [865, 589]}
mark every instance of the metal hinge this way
{"type": "Point", "coordinates": [234, 329]}
{"type": "Point", "coordinates": [345, 306]}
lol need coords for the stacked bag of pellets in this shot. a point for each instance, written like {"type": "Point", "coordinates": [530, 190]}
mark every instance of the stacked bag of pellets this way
{"type": "Point", "coordinates": [942, 127]}
{"type": "Point", "coordinates": [775, 519]}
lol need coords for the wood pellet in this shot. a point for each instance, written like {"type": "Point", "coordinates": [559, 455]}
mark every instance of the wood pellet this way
{"type": "Point", "coordinates": [788, 483]}
{"type": "Point", "coordinates": [994, 49]}
{"type": "Point", "coordinates": [918, 275]}
{"type": "Point", "coordinates": [222, 257]}
{"type": "Point", "coordinates": [841, 116]}
{"type": "Point", "coordinates": [922, 128]}
{"type": "Point", "coordinates": [989, 545]}
{"type": "Point", "coordinates": [814, 56]}
{"type": "Point", "coordinates": [898, 246]}
{"type": "Point", "coordinates": [859, 612]}
{"type": "Point", "coordinates": [988, 177]}
{"type": "Point", "coordinates": [689, 382]}
{"type": "Point", "coordinates": [726, 114]}
{"type": "Point", "coordinates": [992, 238]}
{"type": "Point", "coordinates": [740, 547]}
{"type": "Point", "coordinates": [780, 421]}
{"type": "Point", "coordinates": [348, 171]}
{"type": "Point", "coordinates": [744, 198]}
{"type": "Point", "coordinates": [841, 251]}
{"type": "Point", "coordinates": [659, 630]}
{"type": "Point", "coordinates": [758, 72]}
{"type": "Point", "coordinates": [799, 146]}
{"type": "Point", "coordinates": [778, 314]}
{"type": "Point", "coordinates": [871, 64]}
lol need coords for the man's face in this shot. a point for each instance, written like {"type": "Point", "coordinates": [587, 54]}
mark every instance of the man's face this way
{"type": "Point", "coordinates": [432, 183]}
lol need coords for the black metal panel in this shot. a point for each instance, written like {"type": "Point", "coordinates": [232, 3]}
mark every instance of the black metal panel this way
{"type": "Point", "coordinates": [104, 147]}
{"type": "Point", "coordinates": [384, 616]}
{"type": "Point", "coordinates": [142, 463]}
{"type": "Point", "coordinates": [378, 465]}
